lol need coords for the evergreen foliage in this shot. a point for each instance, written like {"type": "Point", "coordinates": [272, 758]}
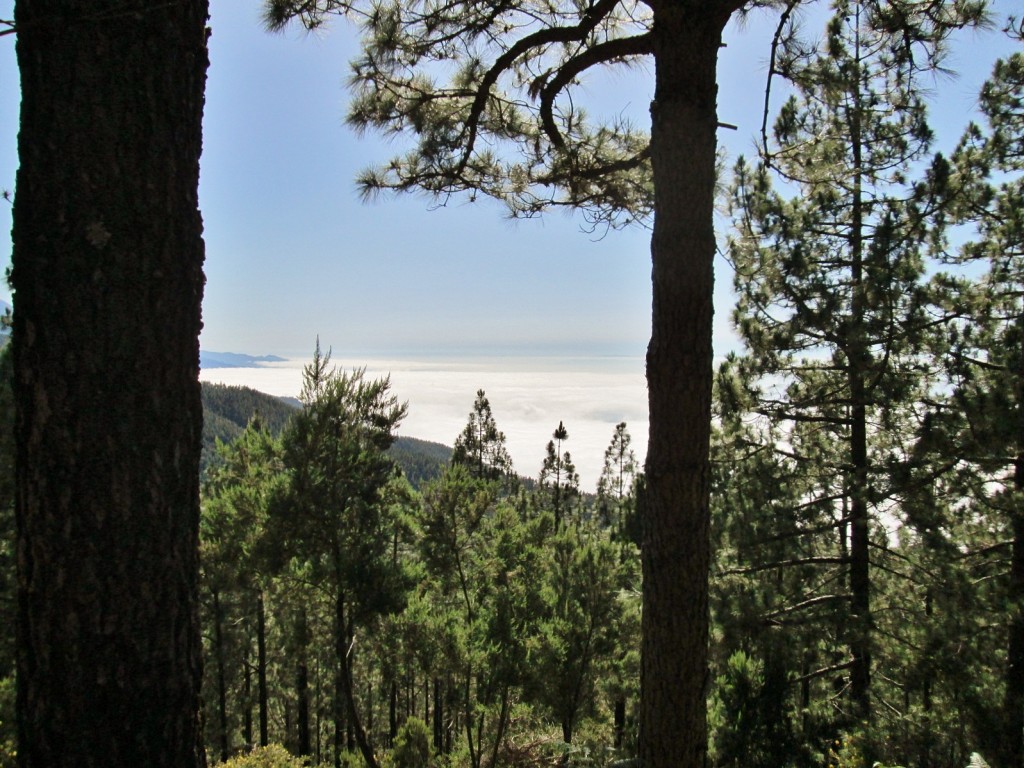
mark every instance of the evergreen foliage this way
{"type": "Point", "coordinates": [481, 445]}
{"type": "Point", "coordinates": [465, 592]}
{"type": "Point", "coordinates": [559, 483]}
{"type": "Point", "coordinates": [616, 488]}
{"type": "Point", "coordinates": [971, 447]}
{"type": "Point", "coordinates": [270, 756]}
{"type": "Point", "coordinates": [227, 411]}
{"type": "Point", "coordinates": [830, 273]}
{"type": "Point", "coordinates": [412, 745]}
{"type": "Point", "coordinates": [420, 460]}
{"type": "Point", "coordinates": [239, 404]}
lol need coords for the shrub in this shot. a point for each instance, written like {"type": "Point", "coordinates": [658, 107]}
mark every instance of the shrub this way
{"type": "Point", "coordinates": [412, 745]}
{"type": "Point", "coordinates": [270, 756]}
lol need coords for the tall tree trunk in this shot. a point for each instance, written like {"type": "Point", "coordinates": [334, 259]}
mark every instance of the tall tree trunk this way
{"type": "Point", "coordinates": [339, 713]}
{"type": "Point", "coordinates": [926, 697]}
{"type": "Point", "coordinates": [1013, 700]}
{"type": "Point", "coordinates": [343, 640]}
{"type": "Point", "coordinates": [302, 710]}
{"type": "Point", "coordinates": [467, 713]}
{"type": "Point", "coordinates": [676, 544]}
{"type": "Point", "coordinates": [302, 684]}
{"type": "Point", "coordinates": [107, 277]}
{"type": "Point", "coordinates": [619, 728]}
{"type": "Point", "coordinates": [261, 668]}
{"type": "Point", "coordinates": [438, 717]}
{"type": "Point", "coordinates": [318, 708]}
{"type": "Point", "coordinates": [393, 714]}
{"type": "Point", "coordinates": [859, 360]}
{"type": "Point", "coordinates": [247, 703]}
{"type": "Point", "coordinates": [222, 685]}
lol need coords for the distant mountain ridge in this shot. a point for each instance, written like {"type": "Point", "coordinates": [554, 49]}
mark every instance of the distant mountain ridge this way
{"type": "Point", "coordinates": [210, 360]}
{"type": "Point", "coordinates": [228, 409]}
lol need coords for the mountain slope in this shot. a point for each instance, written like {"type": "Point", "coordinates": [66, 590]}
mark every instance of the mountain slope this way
{"type": "Point", "coordinates": [227, 410]}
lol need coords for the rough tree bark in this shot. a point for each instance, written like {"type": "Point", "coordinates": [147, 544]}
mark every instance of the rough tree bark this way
{"type": "Point", "coordinates": [676, 544]}
{"type": "Point", "coordinates": [107, 277]}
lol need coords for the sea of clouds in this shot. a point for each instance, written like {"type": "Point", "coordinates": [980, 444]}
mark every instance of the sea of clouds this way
{"type": "Point", "coordinates": [528, 396]}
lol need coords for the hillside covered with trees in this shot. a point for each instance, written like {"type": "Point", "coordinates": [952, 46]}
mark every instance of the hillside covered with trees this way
{"type": "Point", "coordinates": [228, 410]}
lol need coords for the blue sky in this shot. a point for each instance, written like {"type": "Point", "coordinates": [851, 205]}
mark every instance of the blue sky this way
{"type": "Point", "coordinates": [292, 252]}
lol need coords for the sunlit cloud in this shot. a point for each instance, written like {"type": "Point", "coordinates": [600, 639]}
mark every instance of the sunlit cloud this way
{"type": "Point", "coordinates": [528, 396]}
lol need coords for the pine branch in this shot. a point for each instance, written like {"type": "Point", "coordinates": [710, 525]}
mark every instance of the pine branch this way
{"type": "Point", "coordinates": [812, 602]}
{"type": "Point", "coordinates": [548, 90]}
{"type": "Point", "coordinates": [829, 670]}
{"type": "Point", "coordinates": [772, 71]}
{"type": "Point", "coordinates": [786, 564]}
{"type": "Point", "coordinates": [594, 15]}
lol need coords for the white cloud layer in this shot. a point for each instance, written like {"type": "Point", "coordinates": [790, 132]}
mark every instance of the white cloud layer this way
{"type": "Point", "coordinates": [528, 396]}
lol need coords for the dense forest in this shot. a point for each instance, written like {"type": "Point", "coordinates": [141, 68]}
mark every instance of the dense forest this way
{"type": "Point", "coordinates": [366, 602]}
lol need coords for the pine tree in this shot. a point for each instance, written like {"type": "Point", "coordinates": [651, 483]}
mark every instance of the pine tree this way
{"type": "Point", "coordinates": [483, 558]}
{"type": "Point", "coordinates": [616, 486]}
{"type": "Point", "coordinates": [559, 483]}
{"type": "Point", "coordinates": [583, 577]}
{"type": "Point", "coordinates": [778, 589]}
{"type": "Point", "coordinates": [332, 516]}
{"type": "Point", "coordinates": [830, 281]}
{"type": "Point", "coordinates": [236, 565]}
{"type": "Point", "coordinates": [480, 447]}
{"type": "Point", "coordinates": [976, 431]}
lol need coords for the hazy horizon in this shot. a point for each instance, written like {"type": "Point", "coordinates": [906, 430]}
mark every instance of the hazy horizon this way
{"type": "Point", "coordinates": [529, 395]}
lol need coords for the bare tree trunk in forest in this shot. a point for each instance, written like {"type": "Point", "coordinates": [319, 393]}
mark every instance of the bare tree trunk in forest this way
{"type": "Point", "coordinates": [676, 544]}
{"type": "Point", "coordinates": [222, 687]}
{"type": "Point", "coordinates": [343, 640]}
{"type": "Point", "coordinates": [339, 713]}
{"type": "Point", "coordinates": [261, 668]}
{"type": "Point", "coordinates": [302, 710]}
{"type": "Point", "coordinates": [619, 729]}
{"type": "Point", "coordinates": [1013, 700]}
{"type": "Point", "coordinates": [318, 709]}
{"type": "Point", "coordinates": [107, 277]}
{"type": "Point", "coordinates": [860, 582]}
{"type": "Point", "coordinates": [467, 711]}
{"type": "Point", "coordinates": [247, 703]}
{"type": "Point", "coordinates": [393, 714]}
{"type": "Point", "coordinates": [858, 360]}
{"type": "Point", "coordinates": [438, 717]}
{"type": "Point", "coordinates": [926, 694]}
{"type": "Point", "coordinates": [302, 635]}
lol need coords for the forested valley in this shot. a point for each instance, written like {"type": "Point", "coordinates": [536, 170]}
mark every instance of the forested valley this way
{"type": "Point", "coordinates": [368, 602]}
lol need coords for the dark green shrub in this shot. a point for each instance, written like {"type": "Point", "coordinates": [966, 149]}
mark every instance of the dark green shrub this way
{"type": "Point", "coordinates": [412, 745]}
{"type": "Point", "coordinates": [270, 756]}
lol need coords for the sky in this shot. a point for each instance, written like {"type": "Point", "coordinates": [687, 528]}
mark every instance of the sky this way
{"type": "Point", "coordinates": [293, 253]}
